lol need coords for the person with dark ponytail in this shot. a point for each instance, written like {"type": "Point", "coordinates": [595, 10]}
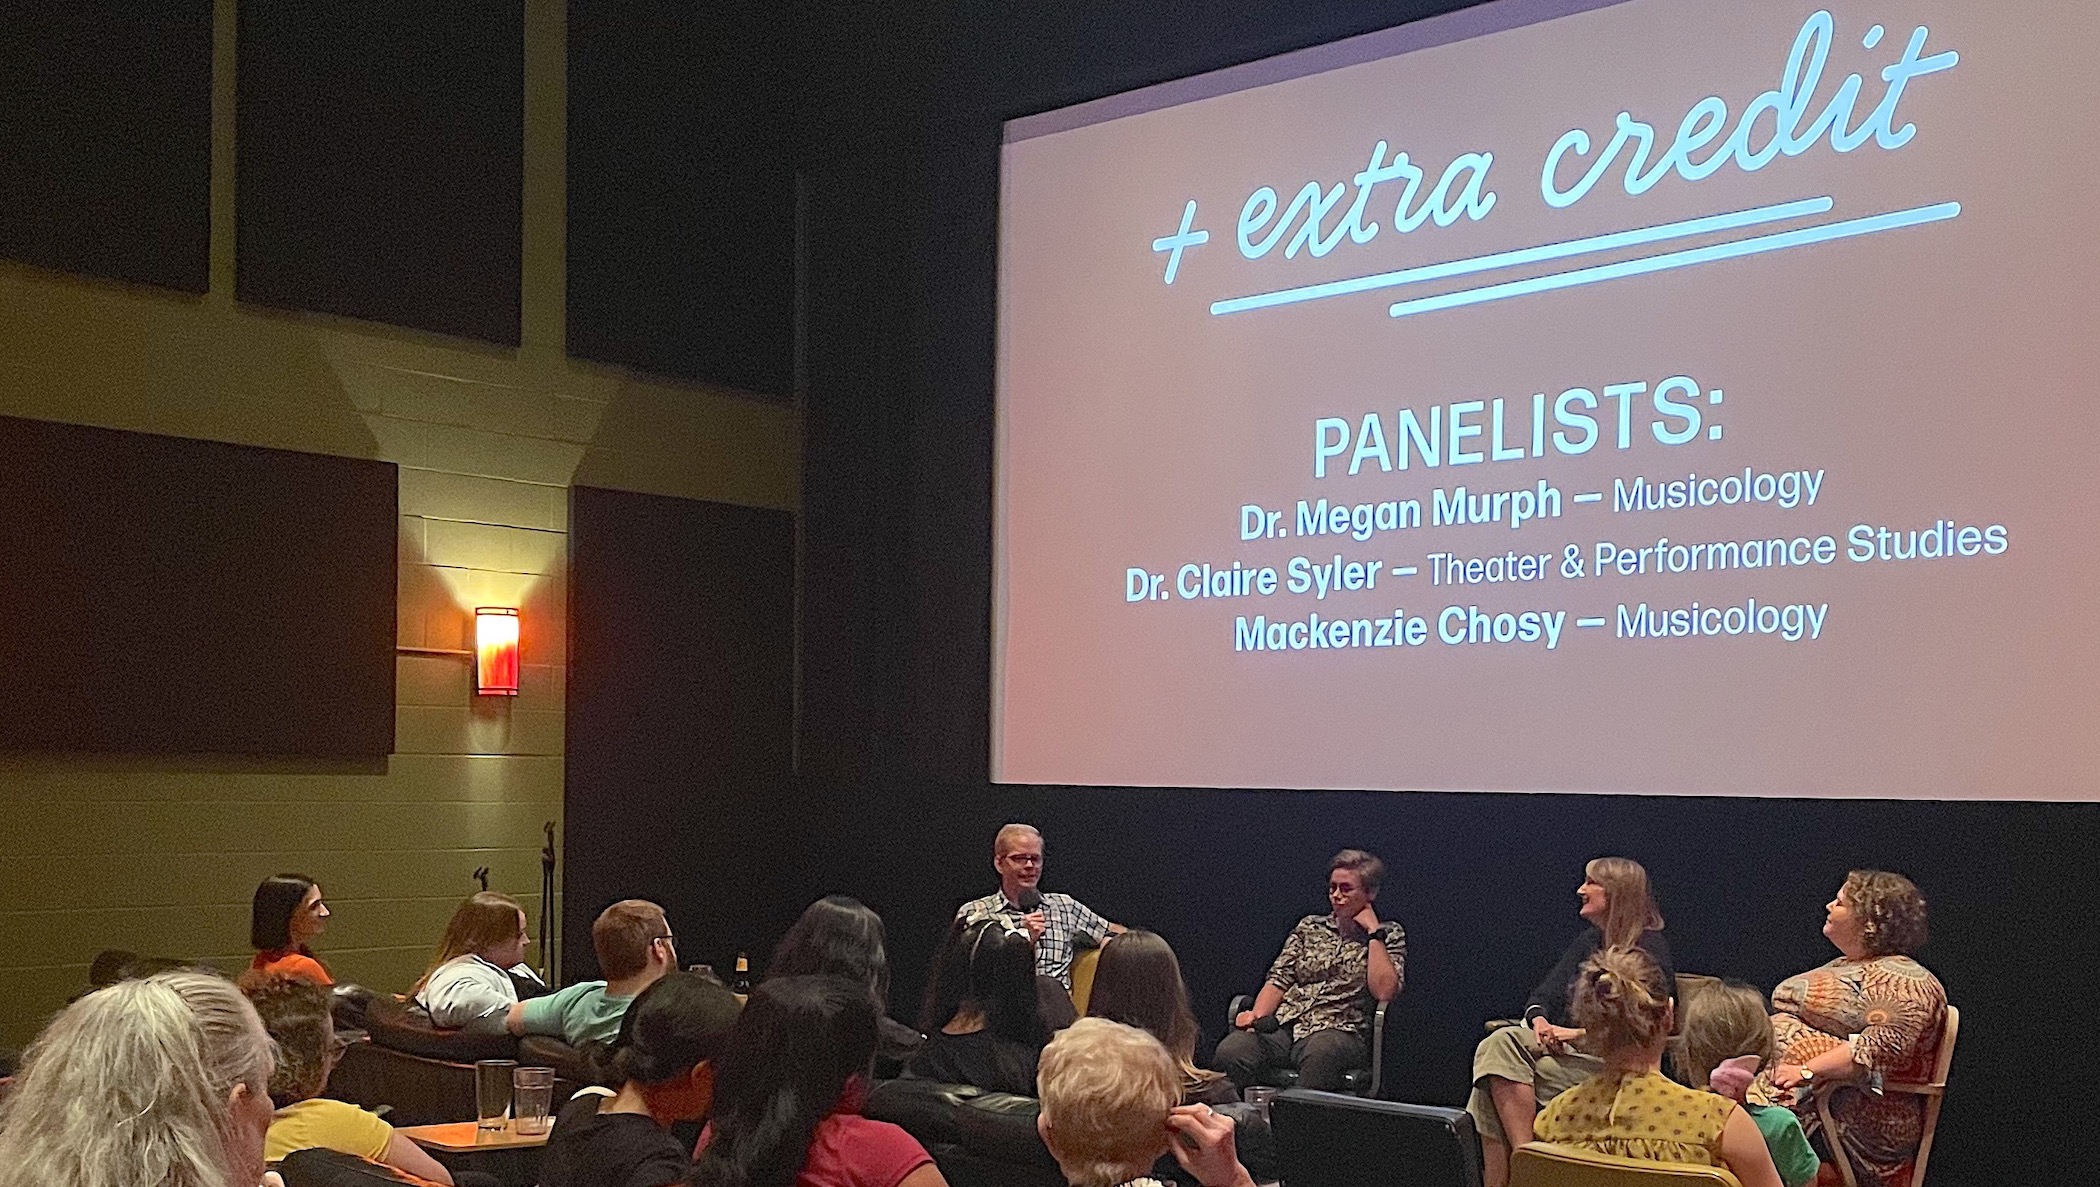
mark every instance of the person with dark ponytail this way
{"type": "Point", "coordinates": [839, 936]}
{"type": "Point", "coordinates": [287, 913]}
{"type": "Point", "coordinates": [984, 1019]}
{"type": "Point", "coordinates": [1622, 1001]}
{"type": "Point", "coordinates": [663, 1061]}
{"type": "Point", "coordinates": [788, 1097]}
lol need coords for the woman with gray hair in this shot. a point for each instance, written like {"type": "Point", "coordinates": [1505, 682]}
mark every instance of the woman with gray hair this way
{"type": "Point", "coordinates": [162, 1082]}
{"type": "Point", "coordinates": [1111, 1108]}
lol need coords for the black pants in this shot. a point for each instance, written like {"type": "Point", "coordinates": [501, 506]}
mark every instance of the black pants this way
{"type": "Point", "coordinates": [1321, 1057]}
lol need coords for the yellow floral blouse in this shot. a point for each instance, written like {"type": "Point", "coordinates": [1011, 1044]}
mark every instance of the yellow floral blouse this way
{"type": "Point", "coordinates": [1638, 1115]}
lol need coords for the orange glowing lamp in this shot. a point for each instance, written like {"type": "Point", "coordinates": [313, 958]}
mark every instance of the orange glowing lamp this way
{"type": "Point", "coordinates": [496, 651]}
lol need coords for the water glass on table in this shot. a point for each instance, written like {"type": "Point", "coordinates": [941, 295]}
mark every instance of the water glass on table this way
{"type": "Point", "coordinates": [492, 1091]}
{"type": "Point", "coordinates": [532, 1100]}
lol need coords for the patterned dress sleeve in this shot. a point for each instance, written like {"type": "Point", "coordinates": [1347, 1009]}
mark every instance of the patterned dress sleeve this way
{"type": "Point", "coordinates": [1902, 1007]}
{"type": "Point", "coordinates": [1791, 995]}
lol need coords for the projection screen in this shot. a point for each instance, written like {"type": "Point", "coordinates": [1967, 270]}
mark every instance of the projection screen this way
{"type": "Point", "coordinates": [1653, 396]}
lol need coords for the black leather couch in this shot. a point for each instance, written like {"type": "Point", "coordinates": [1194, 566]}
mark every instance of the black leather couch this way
{"type": "Point", "coordinates": [331, 1168]}
{"type": "Point", "coordinates": [424, 1075]}
{"type": "Point", "coordinates": [978, 1138]}
{"type": "Point", "coordinates": [989, 1139]}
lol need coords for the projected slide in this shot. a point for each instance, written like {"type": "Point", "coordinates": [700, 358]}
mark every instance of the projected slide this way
{"type": "Point", "coordinates": [1658, 396]}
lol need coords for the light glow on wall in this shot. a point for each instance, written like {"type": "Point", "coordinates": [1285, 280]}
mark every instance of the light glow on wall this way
{"type": "Point", "coordinates": [496, 651]}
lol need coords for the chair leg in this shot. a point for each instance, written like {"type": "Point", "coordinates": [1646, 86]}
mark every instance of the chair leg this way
{"type": "Point", "coordinates": [1932, 1125]}
{"type": "Point", "coordinates": [1830, 1138]}
{"type": "Point", "coordinates": [1377, 1090]}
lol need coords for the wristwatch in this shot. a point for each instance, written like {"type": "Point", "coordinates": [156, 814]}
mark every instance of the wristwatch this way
{"type": "Point", "coordinates": [1808, 1074]}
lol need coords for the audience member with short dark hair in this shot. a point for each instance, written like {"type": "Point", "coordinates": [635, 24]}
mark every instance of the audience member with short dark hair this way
{"type": "Point", "coordinates": [635, 950]}
{"type": "Point", "coordinates": [1727, 1040]}
{"type": "Point", "coordinates": [288, 912]}
{"type": "Point", "coordinates": [295, 1011]}
{"type": "Point", "coordinates": [1111, 1108]}
{"type": "Point", "coordinates": [160, 1082]}
{"type": "Point", "coordinates": [112, 965]}
{"type": "Point", "coordinates": [1873, 1012]}
{"type": "Point", "coordinates": [995, 1032]}
{"type": "Point", "coordinates": [1517, 1068]}
{"type": "Point", "coordinates": [1320, 987]}
{"type": "Point", "coordinates": [1139, 983]}
{"type": "Point", "coordinates": [483, 948]}
{"type": "Point", "coordinates": [788, 1091]}
{"type": "Point", "coordinates": [1622, 1002]}
{"type": "Point", "coordinates": [663, 1062]}
{"type": "Point", "coordinates": [838, 936]}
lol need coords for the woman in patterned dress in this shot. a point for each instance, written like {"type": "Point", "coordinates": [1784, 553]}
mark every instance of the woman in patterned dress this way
{"type": "Point", "coordinates": [1871, 1014]}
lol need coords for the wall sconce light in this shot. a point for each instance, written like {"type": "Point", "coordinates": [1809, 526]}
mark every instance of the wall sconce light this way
{"type": "Point", "coordinates": [496, 651]}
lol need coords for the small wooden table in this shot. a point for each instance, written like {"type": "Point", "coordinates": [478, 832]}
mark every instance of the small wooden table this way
{"type": "Point", "coordinates": [465, 1137]}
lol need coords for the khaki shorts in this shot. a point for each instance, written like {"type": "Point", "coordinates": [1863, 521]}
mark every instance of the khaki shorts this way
{"type": "Point", "coordinates": [1513, 1053]}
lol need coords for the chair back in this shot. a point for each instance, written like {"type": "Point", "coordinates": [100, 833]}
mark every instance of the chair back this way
{"type": "Point", "coordinates": [1327, 1139]}
{"type": "Point", "coordinates": [1547, 1164]}
{"type": "Point", "coordinates": [1934, 1093]}
{"type": "Point", "coordinates": [1689, 986]}
{"type": "Point", "coordinates": [1083, 966]}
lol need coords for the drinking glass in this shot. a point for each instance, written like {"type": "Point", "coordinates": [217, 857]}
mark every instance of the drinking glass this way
{"type": "Point", "coordinates": [532, 1100]}
{"type": "Point", "coordinates": [492, 1091]}
{"type": "Point", "coordinates": [1259, 1096]}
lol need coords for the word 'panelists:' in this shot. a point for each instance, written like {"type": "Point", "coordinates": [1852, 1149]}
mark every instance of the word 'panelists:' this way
{"type": "Point", "coordinates": [1668, 413]}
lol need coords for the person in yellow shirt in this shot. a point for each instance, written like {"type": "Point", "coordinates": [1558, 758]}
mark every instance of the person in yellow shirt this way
{"type": "Point", "coordinates": [1629, 1108]}
{"type": "Point", "coordinates": [296, 1013]}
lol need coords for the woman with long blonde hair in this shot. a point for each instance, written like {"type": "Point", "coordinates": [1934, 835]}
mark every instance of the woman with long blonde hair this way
{"type": "Point", "coordinates": [1520, 1067]}
{"type": "Point", "coordinates": [163, 1082]}
{"type": "Point", "coordinates": [470, 977]}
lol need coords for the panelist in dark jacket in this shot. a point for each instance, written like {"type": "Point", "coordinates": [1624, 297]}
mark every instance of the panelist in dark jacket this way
{"type": "Point", "coordinates": [1518, 1068]}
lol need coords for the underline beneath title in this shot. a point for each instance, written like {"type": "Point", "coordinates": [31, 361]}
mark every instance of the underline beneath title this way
{"type": "Point", "coordinates": [1639, 236]}
{"type": "Point", "coordinates": [1643, 265]}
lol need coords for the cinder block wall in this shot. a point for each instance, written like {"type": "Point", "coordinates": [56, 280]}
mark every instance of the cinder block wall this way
{"type": "Point", "coordinates": [160, 856]}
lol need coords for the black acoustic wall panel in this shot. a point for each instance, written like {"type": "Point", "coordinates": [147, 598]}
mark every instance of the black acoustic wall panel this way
{"type": "Point", "coordinates": [382, 161]}
{"type": "Point", "coordinates": [680, 705]}
{"type": "Point", "coordinates": [682, 189]}
{"type": "Point", "coordinates": [105, 138]}
{"type": "Point", "coordinates": [168, 596]}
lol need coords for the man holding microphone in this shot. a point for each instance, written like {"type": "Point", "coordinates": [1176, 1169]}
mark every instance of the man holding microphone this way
{"type": "Point", "coordinates": [1053, 920]}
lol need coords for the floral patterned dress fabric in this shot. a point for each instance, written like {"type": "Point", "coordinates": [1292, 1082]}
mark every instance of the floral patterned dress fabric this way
{"type": "Point", "coordinates": [1890, 1011]}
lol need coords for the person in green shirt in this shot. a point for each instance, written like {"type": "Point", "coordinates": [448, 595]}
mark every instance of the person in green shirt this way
{"type": "Point", "coordinates": [1727, 1035]}
{"type": "Point", "coordinates": [635, 949]}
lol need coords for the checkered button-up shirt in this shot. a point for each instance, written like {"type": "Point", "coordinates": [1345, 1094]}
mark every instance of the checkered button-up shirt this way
{"type": "Point", "coordinates": [1322, 975]}
{"type": "Point", "coordinates": [1064, 917]}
